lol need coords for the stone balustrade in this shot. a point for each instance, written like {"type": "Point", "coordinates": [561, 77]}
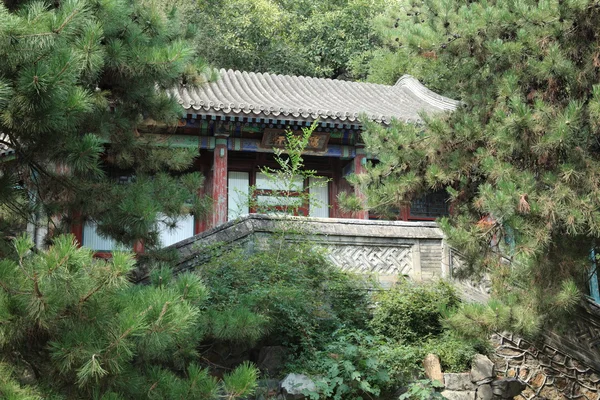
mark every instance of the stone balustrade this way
{"type": "Point", "coordinates": [385, 249]}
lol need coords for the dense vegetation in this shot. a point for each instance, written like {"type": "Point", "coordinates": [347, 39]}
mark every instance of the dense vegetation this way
{"type": "Point", "coordinates": [376, 359]}
{"type": "Point", "coordinates": [75, 75]}
{"type": "Point", "coordinates": [74, 327]}
{"type": "Point", "coordinates": [519, 159]}
{"type": "Point", "coordinates": [299, 37]}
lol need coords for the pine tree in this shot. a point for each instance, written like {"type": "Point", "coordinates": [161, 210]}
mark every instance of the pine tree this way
{"type": "Point", "coordinates": [78, 80]}
{"type": "Point", "coordinates": [519, 159]}
{"type": "Point", "coordinates": [74, 327]}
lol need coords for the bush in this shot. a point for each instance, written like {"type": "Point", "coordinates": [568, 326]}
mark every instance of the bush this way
{"type": "Point", "coordinates": [350, 366]}
{"type": "Point", "coordinates": [423, 389]}
{"type": "Point", "coordinates": [455, 352]}
{"type": "Point", "coordinates": [359, 364]}
{"type": "Point", "coordinates": [298, 296]}
{"type": "Point", "coordinates": [412, 312]}
{"type": "Point", "coordinates": [388, 352]}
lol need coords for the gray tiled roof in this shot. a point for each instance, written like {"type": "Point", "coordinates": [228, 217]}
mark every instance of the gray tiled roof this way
{"type": "Point", "coordinates": [286, 97]}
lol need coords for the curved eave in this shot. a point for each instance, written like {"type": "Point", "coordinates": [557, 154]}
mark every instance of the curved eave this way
{"type": "Point", "coordinates": [283, 97]}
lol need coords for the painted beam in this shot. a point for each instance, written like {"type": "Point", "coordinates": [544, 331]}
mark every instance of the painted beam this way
{"type": "Point", "coordinates": [253, 146]}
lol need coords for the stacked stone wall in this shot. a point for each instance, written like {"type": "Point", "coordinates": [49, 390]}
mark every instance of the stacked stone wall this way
{"type": "Point", "coordinates": [547, 372]}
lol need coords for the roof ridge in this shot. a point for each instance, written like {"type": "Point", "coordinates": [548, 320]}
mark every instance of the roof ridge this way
{"type": "Point", "coordinates": [311, 77]}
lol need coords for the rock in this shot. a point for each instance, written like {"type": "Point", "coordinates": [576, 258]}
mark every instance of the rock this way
{"type": "Point", "coordinates": [293, 386]}
{"type": "Point", "coordinates": [484, 392]}
{"type": "Point", "coordinates": [507, 388]}
{"type": "Point", "coordinates": [271, 360]}
{"type": "Point", "coordinates": [482, 369]}
{"type": "Point", "coordinates": [433, 368]}
{"type": "Point", "coordinates": [459, 381]}
{"type": "Point", "coordinates": [459, 395]}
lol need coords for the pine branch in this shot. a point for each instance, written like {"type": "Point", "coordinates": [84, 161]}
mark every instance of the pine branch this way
{"type": "Point", "coordinates": [127, 331]}
{"type": "Point", "coordinates": [63, 70]}
{"type": "Point", "coordinates": [59, 264]}
{"type": "Point", "coordinates": [23, 268]}
{"type": "Point", "coordinates": [36, 286]}
{"type": "Point", "coordinates": [35, 35]}
{"type": "Point", "coordinates": [67, 20]}
{"type": "Point", "coordinates": [90, 294]}
{"type": "Point", "coordinates": [170, 61]}
{"type": "Point", "coordinates": [12, 291]}
{"type": "Point", "coordinates": [161, 315]}
{"type": "Point", "coordinates": [152, 387]}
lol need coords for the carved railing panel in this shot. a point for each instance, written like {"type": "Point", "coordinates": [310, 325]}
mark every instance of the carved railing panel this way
{"type": "Point", "coordinates": [386, 260]}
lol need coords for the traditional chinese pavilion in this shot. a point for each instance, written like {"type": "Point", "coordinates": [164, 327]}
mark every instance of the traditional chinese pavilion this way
{"type": "Point", "coordinates": [237, 120]}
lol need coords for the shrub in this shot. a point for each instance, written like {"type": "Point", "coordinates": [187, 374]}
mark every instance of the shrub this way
{"type": "Point", "coordinates": [300, 296]}
{"type": "Point", "coordinates": [423, 389]}
{"type": "Point", "coordinates": [412, 312]}
{"type": "Point", "coordinates": [455, 352]}
{"type": "Point", "coordinates": [388, 353]}
{"type": "Point", "coordinates": [350, 367]}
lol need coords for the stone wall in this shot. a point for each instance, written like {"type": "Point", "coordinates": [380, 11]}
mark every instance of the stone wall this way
{"type": "Point", "coordinates": [563, 364]}
{"type": "Point", "coordinates": [547, 371]}
{"type": "Point", "coordinates": [481, 383]}
{"type": "Point", "coordinates": [386, 249]}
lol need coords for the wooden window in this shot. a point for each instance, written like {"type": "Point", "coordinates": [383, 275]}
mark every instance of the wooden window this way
{"type": "Point", "coordinates": [238, 190]}
{"type": "Point", "coordinates": [169, 235]}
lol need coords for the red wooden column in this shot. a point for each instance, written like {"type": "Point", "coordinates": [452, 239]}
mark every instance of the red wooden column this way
{"type": "Point", "coordinates": [77, 228]}
{"type": "Point", "coordinates": [138, 247]}
{"type": "Point", "coordinates": [219, 181]}
{"type": "Point", "coordinates": [359, 161]}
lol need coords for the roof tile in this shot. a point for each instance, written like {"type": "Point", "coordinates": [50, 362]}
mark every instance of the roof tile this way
{"type": "Point", "coordinates": [306, 98]}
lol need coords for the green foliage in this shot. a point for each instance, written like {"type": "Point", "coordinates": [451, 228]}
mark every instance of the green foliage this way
{"type": "Point", "coordinates": [455, 352]}
{"type": "Point", "coordinates": [241, 381]}
{"type": "Point", "coordinates": [81, 81]}
{"type": "Point", "coordinates": [518, 158]}
{"type": "Point", "coordinates": [288, 192]}
{"type": "Point", "coordinates": [10, 387]}
{"type": "Point", "coordinates": [372, 362]}
{"type": "Point", "coordinates": [422, 389]}
{"type": "Point", "coordinates": [358, 363]}
{"type": "Point", "coordinates": [349, 202]}
{"type": "Point", "coordinates": [412, 312]}
{"type": "Point", "coordinates": [291, 294]}
{"type": "Point", "coordinates": [349, 367]}
{"type": "Point", "coordinates": [308, 37]}
{"type": "Point", "coordinates": [479, 320]}
{"type": "Point", "coordinates": [86, 332]}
